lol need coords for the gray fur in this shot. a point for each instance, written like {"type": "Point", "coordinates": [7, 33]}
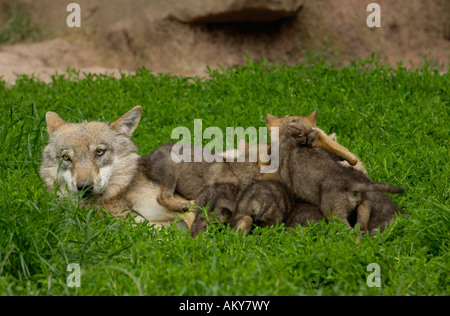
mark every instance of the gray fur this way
{"type": "Point", "coordinates": [189, 179]}
{"type": "Point", "coordinates": [221, 199]}
{"type": "Point", "coordinates": [263, 203]}
{"type": "Point", "coordinates": [315, 176]}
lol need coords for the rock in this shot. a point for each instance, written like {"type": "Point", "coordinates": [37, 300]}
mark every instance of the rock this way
{"type": "Point", "coordinates": [216, 11]}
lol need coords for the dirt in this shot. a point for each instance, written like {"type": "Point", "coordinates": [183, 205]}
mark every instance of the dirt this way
{"type": "Point", "coordinates": [122, 36]}
{"type": "Point", "coordinates": [49, 57]}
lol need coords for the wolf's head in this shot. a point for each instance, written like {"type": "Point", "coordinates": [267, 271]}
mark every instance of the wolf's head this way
{"type": "Point", "coordinates": [302, 130]}
{"type": "Point", "coordinates": [96, 158]}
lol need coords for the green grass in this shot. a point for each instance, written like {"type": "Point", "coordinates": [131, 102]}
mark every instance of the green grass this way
{"type": "Point", "coordinates": [395, 120]}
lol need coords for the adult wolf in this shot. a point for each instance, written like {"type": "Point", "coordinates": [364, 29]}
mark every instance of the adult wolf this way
{"type": "Point", "coordinates": [99, 160]}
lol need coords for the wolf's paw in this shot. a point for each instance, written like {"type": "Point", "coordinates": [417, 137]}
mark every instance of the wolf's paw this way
{"type": "Point", "coordinates": [311, 137]}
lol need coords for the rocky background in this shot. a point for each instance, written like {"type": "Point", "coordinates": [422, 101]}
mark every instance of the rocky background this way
{"type": "Point", "coordinates": [183, 37]}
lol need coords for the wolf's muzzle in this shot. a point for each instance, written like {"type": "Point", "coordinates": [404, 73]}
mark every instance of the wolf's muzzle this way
{"type": "Point", "coordinates": [86, 187]}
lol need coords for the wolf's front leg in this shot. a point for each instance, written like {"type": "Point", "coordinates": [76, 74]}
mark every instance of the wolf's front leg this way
{"type": "Point", "coordinates": [323, 141]}
{"type": "Point", "coordinates": [243, 225]}
{"type": "Point", "coordinates": [363, 211]}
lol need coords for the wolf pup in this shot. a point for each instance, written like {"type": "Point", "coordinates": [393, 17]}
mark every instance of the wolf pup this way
{"type": "Point", "coordinates": [382, 212]}
{"type": "Point", "coordinates": [99, 160]}
{"type": "Point", "coordinates": [263, 203]}
{"type": "Point", "coordinates": [315, 176]}
{"type": "Point", "coordinates": [268, 202]}
{"type": "Point", "coordinates": [303, 213]}
{"type": "Point", "coordinates": [382, 208]}
{"type": "Point", "coordinates": [221, 199]}
{"type": "Point", "coordinates": [189, 179]}
{"type": "Point", "coordinates": [319, 139]}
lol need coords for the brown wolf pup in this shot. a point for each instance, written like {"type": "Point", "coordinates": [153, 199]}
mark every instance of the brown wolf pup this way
{"type": "Point", "coordinates": [268, 202]}
{"type": "Point", "coordinates": [302, 213]}
{"type": "Point", "coordinates": [315, 176]}
{"type": "Point", "coordinates": [320, 139]}
{"type": "Point", "coordinates": [263, 203]}
{"type": "Point", "coordinates": [382, 212]}
{"type": "Point", "coordinates": [189, 179]}
{"type": "Point", "coordinates": [221, 199]}
{"type": "Point", "coordinates": [100, 161]}
{"type": "Point", "coordinates": [382, 208]}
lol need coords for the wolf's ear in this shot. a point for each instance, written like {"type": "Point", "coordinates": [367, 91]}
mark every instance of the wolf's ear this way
{"type": "Point", "coordinates": [271, 119]}
{"type": "Point", "coordinates": [128, 122]}
{"type": "Point", "coordinates": [54, 121]}
{"type": "Point", "coordinates": [312, 118]}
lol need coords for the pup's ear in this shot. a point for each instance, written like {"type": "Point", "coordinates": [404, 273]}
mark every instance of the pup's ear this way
{"type": "Point", "coordinates": [312, 118]}
{"type": "Point", "coordinates": [271, 119]}
{"type": "Point", "coordinates": [54, 121]}
{"type": "Point", "coordinates": [128, 122]}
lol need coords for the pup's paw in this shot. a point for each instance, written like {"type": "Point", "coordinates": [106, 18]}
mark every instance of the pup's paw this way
{"type": "Point", "coordinates": [311, 137]}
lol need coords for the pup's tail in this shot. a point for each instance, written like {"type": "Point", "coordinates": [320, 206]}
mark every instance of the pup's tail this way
{"type": "Point", "coordinates": [377, 186]}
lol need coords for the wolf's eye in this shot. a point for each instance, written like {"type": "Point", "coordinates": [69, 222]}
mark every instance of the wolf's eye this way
{"type": "Point", "coordinates": [66, 157]}
{"type": "Point", "coordinates": [99, 152]}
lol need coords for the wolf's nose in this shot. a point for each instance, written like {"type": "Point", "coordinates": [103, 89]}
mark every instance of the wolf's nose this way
{"type": "Point", "coordinates": [86, 186]}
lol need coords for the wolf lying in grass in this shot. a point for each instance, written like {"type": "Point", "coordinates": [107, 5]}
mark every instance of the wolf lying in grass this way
{"type": "Point", "coordinates": [315, 176]}
{"type": "Point", "coordinates": [99, 160]}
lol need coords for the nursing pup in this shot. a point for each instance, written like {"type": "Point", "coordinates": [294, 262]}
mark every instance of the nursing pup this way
{"type": "Point", "coordinates": [190, 178]}
{"type": "Point", "coordinates": [219, 203]}
{"type": "Point", "coordinates": [263, 203]}
{"type": "Point", "coordinates": [315, 176]}
{"type": "Point", "coordinates": [267, 203]}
